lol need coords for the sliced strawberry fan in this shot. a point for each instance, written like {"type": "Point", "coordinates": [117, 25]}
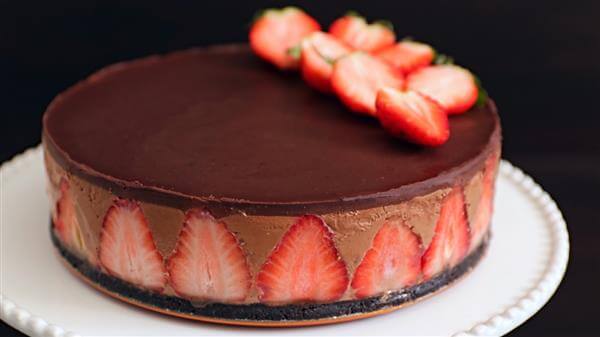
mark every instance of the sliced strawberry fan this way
{"type": "Point", "coordinates": [356, 60]}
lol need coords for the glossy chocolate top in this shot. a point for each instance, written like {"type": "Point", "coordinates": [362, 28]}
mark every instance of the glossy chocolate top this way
{"type": "Point", "coordinates": [218, 127]}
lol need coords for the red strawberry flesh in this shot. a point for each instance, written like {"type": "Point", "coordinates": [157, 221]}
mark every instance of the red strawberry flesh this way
{"type": "Point", "coordinates": [483, 214]}
{"type": "Point", "coordinates": [319, 52]}
{"type": "Point", "coordinates": [208, 263]}
{"type": "Point", "coordinates": [357, 77]}
{"type": "Point", "coordinates": [276, 31]}
{"type": "Point", "coordinates": [393, 262]}
{"type": "Point", "coordinates": [127, 249]}
{"type": "Point", "coordinates": [451, 237]}
{"type": "Point", "coordinates": [65, 219]}
{"type": "Point", "coordinates": [407, 56]}
{"type": "Point", "coordinates": [358, 34]}
{"type": "Point", "coordinates": [412, 116]}
{"type": "Point", "coordinates": [304, 266]}
{"type": "Point", "coordinates": [453, 87]}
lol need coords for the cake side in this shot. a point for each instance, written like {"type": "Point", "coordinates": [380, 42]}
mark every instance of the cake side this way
{"type": "Point", "coordinates": [353, 232]}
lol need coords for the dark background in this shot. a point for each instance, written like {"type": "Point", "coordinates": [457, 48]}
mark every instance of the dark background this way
{"type": "Point", "coordinates": [540, 61]}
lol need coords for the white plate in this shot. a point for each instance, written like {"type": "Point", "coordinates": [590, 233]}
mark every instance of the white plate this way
{"type": "Point", "coordinates": [523, 267]}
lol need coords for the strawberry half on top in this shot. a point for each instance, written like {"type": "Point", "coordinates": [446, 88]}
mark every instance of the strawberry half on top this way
{"type": "Point", "coordinates": [407, 56]}
{"type": "Point", "coordinates": [304, 266]}
{"type": "Point", "coordinates": [208, 262]}
{"type": "Point", "coordinates": [393, 262]}
{"type": "Point", "coordinates": [357, 77]}
{"type": "Point", "coordinates": [451, 236]}
{"type": "Point", "coordinates": [354, 30]}
{"type": "Point", "coordinates": [412, 116]}
{"type": "Point", "coordinates": [319, 52]}
{"type": "Point", "coordinates": [127, 249]}
{"type": "Point", "coordinates": [453, 87]}
{"type": "Point", "coordinates": [276, 31]}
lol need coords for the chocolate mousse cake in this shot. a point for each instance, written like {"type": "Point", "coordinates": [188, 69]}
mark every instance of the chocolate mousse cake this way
{"type": "Point", "coordinates": [207, 184]}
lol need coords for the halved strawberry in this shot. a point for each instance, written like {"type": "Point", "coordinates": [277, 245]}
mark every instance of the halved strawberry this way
{"type": "Point", "coordinates": [451, 236]}
{"type": "Point", "coordinates": [453, 87]}
{"type": "Point", "coordinates": [208, 263]}
{"type": "Point", "coordinates": [483, 214]}
{"type": "Point", "coordinates": [358, 34]}
{"type": "Point", "coordinates": [66, 224]}
{"type": "Point", "coordinates": [304, 266]}
{"type": "Point", "coordinates": [407, 56]}
{"type": "Point", "coordinates": [393, 262]}
{"type": "Point", "coordinates": [127, 250]}
{"type": "Point", "coordinates": [275, 31]}
{"type": "Point", "coordinates": [356, 78]}
{"type": "Point", "coordinates": [319, 52]}
{"type": "Point", "coordinates": [412, 116]}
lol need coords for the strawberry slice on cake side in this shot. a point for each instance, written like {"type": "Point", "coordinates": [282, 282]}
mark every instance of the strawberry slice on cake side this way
{"type": "Point", "coordinates": [483, 214]}
{"type": "Point", "coordinates": [208, 263]}
{"type": "Point", "coordinates": [304, 266]}
{"type": "Point", "coordinates": [392, 263]}
{"type": "Point", "coordinates": [127, 249]}
{"type": "Point", "coordinates": [66, 223]}
{"type": "Point", "coordinates": [450, 241]}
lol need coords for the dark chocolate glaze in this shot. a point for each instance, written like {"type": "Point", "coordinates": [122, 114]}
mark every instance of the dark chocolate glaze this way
{"type": "Point", "coordinates": [238, 313]}
{"type": "Point", "coordinates": [217, 127]}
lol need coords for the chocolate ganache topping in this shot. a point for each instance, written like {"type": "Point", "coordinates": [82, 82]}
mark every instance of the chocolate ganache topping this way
{"type": "Point", "coordinates": [217, 127]}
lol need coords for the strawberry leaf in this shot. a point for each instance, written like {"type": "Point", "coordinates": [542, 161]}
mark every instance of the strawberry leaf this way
{"type": "Point", "coordinates": [259, 14]}
{"type": "Point", "coordinates": [385, 23]}
{"type": "Point", "coordinates": [353, 13]}
{"type": "Point", "coordinates": [482, 95]}
{"type": "Point", "coordinates": [442, 59]}
{"type": "Point", "coordinates": [295, 51]}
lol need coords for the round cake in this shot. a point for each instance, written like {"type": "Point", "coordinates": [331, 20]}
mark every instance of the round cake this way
{"type": "Point", "coordinates": [208, 185]}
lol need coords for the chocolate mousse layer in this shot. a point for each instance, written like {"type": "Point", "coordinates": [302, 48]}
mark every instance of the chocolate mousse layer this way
{"type": "Point", "coordinates": [216, 127]}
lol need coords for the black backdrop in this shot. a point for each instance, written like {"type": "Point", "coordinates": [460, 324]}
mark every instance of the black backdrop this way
{"type": "Point", "coordinates": [540, 61]}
